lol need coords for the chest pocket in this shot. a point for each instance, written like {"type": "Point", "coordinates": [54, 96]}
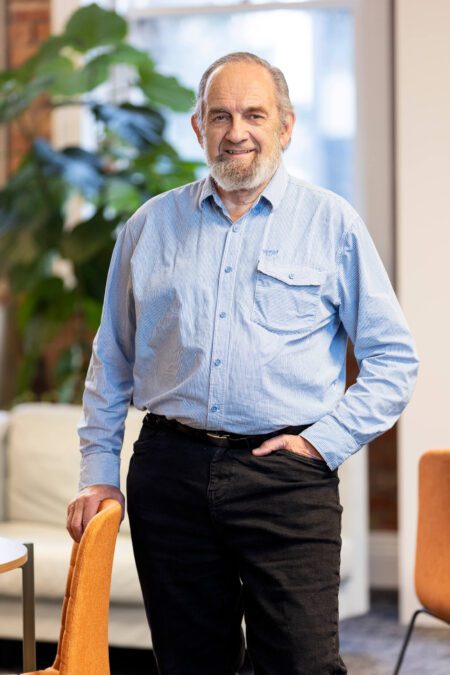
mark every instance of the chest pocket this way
{"type": "Point", "coordinates": [286, 298]}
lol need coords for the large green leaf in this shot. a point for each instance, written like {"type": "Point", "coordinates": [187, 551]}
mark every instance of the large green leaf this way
{"type": "Point", "coordinates": [37, 75]}
{"type": "Point", "coordinates": [123, 53]}
{"type": "Point", "coordinates": [27, 274]}
{"type": "Point", "coordinates": [92, 310]}
{"type": "Point", "coordinates": [138, 125]}
{"type": "Point", "coordinates": [66, 80]}
{"type": "Point", "coordinates": [15, 97]}
{"type": "Point", "coordinates": [79, 168]}
{"type": "Point", "coordinates": [167, 91]}
{"type": "Point", "coordinates": [30, 215]}
{"type": "Point", "coordinates": [122, 196]}
{"type": "Point", "coordinates": [88, 238]}
{"type": "Point", "coordinates": [92, 277]}
{"type": "Point", "coordinates": [96, 70]}
{"type": "Point", "coordinates": [92, 26]}
{"type": "Point", "coordinates": [45, 309]}
{"type": "Point", "coordinates": [48, 50]}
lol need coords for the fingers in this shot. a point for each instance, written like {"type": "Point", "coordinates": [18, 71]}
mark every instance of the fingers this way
{"type": "Point", "coordinates": [75, 519]}
{"type": "Point", "coordinates": [79, 513]}
{"type": "Point", "coordinates": [84, 507]}
{"type": "Point", "coordinates": [88, 512]}
{"type": "Point", "coordinates": [70, 510]}
{"type": "Point", "coordinates": [275, 443]}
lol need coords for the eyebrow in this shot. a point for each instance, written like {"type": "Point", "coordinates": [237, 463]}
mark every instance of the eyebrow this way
{"type": "Point", "coordinates": [250, 109]}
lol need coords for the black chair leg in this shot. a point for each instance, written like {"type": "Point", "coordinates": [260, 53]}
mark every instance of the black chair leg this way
{"type": "Point", "coordinates": [407, 637]}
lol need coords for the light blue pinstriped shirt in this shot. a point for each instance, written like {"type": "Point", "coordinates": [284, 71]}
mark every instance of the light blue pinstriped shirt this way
{"type": "Point", "coordinates": [243, 326]}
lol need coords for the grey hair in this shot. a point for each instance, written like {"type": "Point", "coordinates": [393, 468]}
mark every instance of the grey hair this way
{"type": "Point", "coordinates": [282, 90]}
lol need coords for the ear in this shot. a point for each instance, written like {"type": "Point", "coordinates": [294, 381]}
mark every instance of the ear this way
{"type": "Point", "coordinates": [286, 129]}
{"type": "Point", "coordinates": [196, 128]}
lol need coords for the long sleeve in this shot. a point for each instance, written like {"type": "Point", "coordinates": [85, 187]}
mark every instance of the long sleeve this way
{"type": "Point", "coordinates": [109, 380]}
{"type": "Point", "coordinates": [383, 347]}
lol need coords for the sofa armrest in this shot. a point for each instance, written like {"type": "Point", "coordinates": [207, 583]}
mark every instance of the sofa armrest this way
{"type": "Point", "coordinates": [4, 425]}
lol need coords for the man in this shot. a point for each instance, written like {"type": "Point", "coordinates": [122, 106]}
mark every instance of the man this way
{"type": "Point", "coordinates": [227, 310]}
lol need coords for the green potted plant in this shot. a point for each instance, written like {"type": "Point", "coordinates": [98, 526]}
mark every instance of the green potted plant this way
{"type": "Point", "coordinates": [54, 267]}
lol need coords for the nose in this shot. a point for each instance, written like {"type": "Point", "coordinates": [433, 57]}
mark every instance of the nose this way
{"type": "Point", "coordinates": [236, 132]}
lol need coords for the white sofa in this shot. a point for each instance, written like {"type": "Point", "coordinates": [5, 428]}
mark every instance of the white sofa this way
{"type": "Point", "coordinates": [39, 462]}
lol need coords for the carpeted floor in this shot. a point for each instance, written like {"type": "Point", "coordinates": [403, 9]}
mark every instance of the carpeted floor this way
{"type": "Point", "coordinates": [370, 645]}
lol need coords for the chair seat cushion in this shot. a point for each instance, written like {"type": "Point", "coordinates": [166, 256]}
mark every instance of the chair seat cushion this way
{"type": "Point", "coordinates": [52, 550]}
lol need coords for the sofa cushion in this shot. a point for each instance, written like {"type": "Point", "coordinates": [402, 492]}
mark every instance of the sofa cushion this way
{"type": "Point", "coordinates": [43, 460]}
{"type": "Point", "coordinates": [52, 549]}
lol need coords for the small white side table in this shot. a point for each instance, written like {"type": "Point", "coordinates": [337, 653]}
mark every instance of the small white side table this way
{"type": "Point", "coordinates": [12, 556]}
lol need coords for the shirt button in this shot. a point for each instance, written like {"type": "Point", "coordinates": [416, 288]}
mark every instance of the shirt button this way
{"type": "Point", "coordinates": [235, 228]}
{"type": "Point", "coordinates": [228, 269]}
{"type": "Point", "coordinates": [217, 362]}
{"type": "Point", "coordinates": [291, 275]}
{"type": "Point", "coordinates": [214, 408]}
{"type": "Point", "coordinates": [222, 315]}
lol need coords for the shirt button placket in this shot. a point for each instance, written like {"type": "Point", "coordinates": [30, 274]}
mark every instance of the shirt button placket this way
{"type": "Point", "coordinates": [222, 328]}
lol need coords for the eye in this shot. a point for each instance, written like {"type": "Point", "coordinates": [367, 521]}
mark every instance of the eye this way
{"type": "Point", "coordinates": [220, 117]}
{"type": "Point", "coordinates": [256, 116]}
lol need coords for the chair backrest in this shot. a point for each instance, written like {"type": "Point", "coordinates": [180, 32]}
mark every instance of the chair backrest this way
{"type": "Point", "coordinates": [83, 641]}
{"type": "Point", "coordinates": [432, 568]}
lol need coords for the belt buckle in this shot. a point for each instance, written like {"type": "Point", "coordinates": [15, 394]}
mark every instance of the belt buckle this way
{"type": "Point", "coordinates": [219, 439]}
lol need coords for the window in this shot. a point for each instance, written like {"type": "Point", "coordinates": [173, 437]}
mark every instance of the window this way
{"type": "Point", "coordinates": [313, 47]}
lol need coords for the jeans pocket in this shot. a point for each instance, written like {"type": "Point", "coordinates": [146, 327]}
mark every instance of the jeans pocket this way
{"type": "Point", "coordinates": [148, 438]}
{"type": "Point", "coordinates": [311, 461]}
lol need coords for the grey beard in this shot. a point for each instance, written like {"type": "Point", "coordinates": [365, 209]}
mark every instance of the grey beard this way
{"type": "Point", "coordinates": [231, 175]}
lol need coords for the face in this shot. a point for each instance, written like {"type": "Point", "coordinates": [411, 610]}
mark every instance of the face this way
{"type": "Point", "coordinates": [242, 133]}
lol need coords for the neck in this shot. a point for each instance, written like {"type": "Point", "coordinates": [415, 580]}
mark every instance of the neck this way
{"type": "Point", "coordinates": [238, 202]}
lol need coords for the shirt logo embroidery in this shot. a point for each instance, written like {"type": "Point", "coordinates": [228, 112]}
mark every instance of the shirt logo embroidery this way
{"type": "Point", "coordinates": [270, 251]}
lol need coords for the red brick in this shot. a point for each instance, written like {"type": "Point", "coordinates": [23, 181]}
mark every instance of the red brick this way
{"type": "Point", "coordinates": [41, 31]}
{"type": "Point", "coordinates": [27, 5]}
{"type": "Point", "coordinates": [24, 16]}
{"type": "Point", "coordinates": [20, 34]}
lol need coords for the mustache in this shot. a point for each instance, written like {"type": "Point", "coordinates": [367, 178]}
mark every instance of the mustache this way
{"type": "Point", "coordinates": [226, 153]}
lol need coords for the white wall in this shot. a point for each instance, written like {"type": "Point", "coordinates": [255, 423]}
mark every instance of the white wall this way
{"type": "Point", "coordinates": [422, 47]}
{"type": "Point", "coordinates": [65, 121]}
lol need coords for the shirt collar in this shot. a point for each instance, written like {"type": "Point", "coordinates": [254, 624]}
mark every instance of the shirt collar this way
{"type": "Point", "coordinates": [272, 193]}
{"type": "Point", "coordinates": [276, 187]}
{"type": "Point", "coordinates": [208, 190]}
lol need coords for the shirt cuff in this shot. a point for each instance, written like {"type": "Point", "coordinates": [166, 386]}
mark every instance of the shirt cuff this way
{"type": "Point", "coordinates": [100, 468]}
{"type": "Point", "coordinates": [332, 440]}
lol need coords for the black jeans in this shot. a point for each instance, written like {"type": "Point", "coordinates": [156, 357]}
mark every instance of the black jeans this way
{"type": "Point", "coordinates": [219, 533]}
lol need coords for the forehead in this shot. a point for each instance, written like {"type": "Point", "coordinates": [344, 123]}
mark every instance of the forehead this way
{"type": "Point", "coordinates": [240, 85]}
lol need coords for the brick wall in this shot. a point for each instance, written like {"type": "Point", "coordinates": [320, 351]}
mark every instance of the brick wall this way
{"type": "Point", "coordinates": [27, 24]}
{"type": "Point", "coordinates": [383, 481]}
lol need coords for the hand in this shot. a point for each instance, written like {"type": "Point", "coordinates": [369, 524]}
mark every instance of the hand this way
{"type": "Point", "coordinates": [85, 506]}
{"type": "Point", "coordinates": [290, 442]}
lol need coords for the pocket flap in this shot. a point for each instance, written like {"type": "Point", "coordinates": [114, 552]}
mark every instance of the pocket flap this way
{"type": "Point", "coordinates": [292, 275]}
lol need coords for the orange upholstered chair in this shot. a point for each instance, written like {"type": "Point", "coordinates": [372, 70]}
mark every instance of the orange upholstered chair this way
{"type": "Point", "coordinates": [432, 563]}
{"type": "Point", "coordinates": [83, 639]}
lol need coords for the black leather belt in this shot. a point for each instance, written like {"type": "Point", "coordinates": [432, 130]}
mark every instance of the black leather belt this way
{"type": "Point", "coordinates": [224, 439]}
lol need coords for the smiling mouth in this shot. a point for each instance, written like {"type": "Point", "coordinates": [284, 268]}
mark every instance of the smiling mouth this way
{"type": "Point", "coordinates": [238, 152]}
